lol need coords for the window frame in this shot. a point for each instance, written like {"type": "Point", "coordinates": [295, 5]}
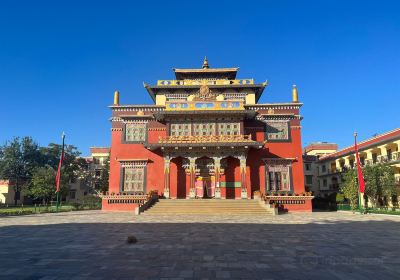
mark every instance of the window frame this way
{"type": "Point", "coordinates": [124, 130]}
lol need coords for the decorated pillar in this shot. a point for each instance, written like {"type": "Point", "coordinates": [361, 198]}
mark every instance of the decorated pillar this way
{"type": "Point", "coordinates": [167, 161]}
{"type": "Point", "coordinates": [192, 173]}
{"type": "Point", "coordinates": [217, 169]}
{"type": "Point", "coordinates": [242, 160]}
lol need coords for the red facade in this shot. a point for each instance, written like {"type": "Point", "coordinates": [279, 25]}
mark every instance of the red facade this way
{"type": "Point", "coordinates": [207, 137]}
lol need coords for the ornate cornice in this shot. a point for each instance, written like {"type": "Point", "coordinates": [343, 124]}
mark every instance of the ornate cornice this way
{"type": "Point", "coordinates": [157, 129]}
{"type": "Point", "coordinates": [133, 162]}
{"type": "Point", "coordinates": [133, 108]}
{"type": "Point", "coordinates": [274, 106]}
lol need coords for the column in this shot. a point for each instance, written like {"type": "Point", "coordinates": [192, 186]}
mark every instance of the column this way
{"type": "Point", "coordinates": [384, 155]}
{"type": "Point", "coordinates": [369, 158]}
{"type": "Point", "coordinates": [242, 160]}
{"type": "Point", "coordinates": [167, 161]}
{"type": "Point", "coordinates": [217, 168]}
{"type": "Point", "coordinates": [192, 171]}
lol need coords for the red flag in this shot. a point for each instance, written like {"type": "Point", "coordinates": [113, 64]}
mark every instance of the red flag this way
{"type": "Point", "coordinates": [58, 176]}
{"type": "Point", "coordinates": [361, 182]}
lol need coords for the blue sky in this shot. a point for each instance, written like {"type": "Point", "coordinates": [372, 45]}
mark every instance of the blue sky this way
{"type": "Point", "coordinates": [60, 61]}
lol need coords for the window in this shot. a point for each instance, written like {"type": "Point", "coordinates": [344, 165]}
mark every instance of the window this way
{"type": "Point", "coordinates": [309, 179]}
{"type": "Point", "coordinates": [181, 129]}
{"type": "Point", "coordinates": [351, 163]}
{"type": "Point", "coordinates": [135, 132]}
{"type": "Point", "coordinates": [374, 158]}
{"type": "Point", "coordinates": [203, 129]}
{"type": "Point", "coordinates": [308, 166]}
{"type": "Point", "coordinates": [389, 154]}
{"type": "Point", "coordinates": [323, 168]}
{"type": "Point", "coordinates": [134, 179]}
{"type": "Point", "coordinates": [229, 128]}
{"type": "Point", "coordinates": [278, 178]}
{"type": "Point", "coordinates": [325, 183]}
{"type": "Point", "coordinates": [72, 194]}
{"type": "Point", "coordinates": [277, 130]}
{"type": "Point", "coordinates": [362, 160]}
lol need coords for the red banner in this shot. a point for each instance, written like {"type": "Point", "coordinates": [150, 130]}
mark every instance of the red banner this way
{"type": "Point", "coordinates": [361, 182]}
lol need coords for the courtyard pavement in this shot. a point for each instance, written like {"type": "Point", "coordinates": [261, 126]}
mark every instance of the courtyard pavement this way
{"type": "Point", "coordinates": [92, 245]}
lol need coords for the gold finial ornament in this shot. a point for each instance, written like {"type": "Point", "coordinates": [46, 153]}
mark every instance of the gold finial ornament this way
{"type": "Point", "coordinates": [205, 63]}
{"type": "Point", "coordinates": [116, 97]}
{"type": "Point", "coordinates": [295, 94]}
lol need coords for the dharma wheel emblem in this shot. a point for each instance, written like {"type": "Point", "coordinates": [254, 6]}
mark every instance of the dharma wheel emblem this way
{"type": "Point", "coordinates": [205, 93]}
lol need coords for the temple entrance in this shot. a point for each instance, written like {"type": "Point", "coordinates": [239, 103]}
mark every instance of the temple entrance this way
{"type": "Point", "coordinates": [205, 181]}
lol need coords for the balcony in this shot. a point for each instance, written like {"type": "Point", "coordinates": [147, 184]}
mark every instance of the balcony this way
{"type": "Point", "coordinates": [205, 139]}
{"type": "Point", "coordinates": [207, 82]}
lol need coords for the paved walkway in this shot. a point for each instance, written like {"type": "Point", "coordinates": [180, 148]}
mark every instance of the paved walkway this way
{"type": "Point", "coordinates": [92, 245]}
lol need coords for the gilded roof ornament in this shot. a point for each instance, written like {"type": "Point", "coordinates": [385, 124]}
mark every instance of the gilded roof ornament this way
{"type": "Point", "coordinates": [204, 93]}
{"type": "Point", "coordinates": [205, 63]}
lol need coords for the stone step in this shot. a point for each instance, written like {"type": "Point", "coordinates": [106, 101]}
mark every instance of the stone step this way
{"type": "Point", "coordinates": [206, 207]}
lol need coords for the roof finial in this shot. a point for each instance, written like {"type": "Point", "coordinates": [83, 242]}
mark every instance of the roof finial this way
{"type": "Point", "coordinates": [205, 63]}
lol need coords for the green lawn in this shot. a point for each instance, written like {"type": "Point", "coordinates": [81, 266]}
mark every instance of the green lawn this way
{"type": "Point", "coordinates": [26, 210]}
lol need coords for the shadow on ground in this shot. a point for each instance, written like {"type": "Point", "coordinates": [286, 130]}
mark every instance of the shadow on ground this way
{"type": "Point", "coordinates": [339, 250]}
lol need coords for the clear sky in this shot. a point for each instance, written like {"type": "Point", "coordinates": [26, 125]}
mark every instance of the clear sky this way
{"type": "Point", "coordinates": [60, 61]}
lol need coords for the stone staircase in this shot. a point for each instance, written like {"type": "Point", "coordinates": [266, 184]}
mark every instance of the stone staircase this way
{"type": "Point", "coordinates": [207, 207]}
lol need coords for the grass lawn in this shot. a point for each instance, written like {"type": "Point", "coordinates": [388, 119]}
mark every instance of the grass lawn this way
{"type": "Point", "coordinates": [24, 210]}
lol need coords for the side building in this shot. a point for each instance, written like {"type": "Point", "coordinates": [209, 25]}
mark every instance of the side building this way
{"type": "Point", "coordinates": [327, 168]}
{"type": "Point", "coordinates": [311, 155]}
{"type": "Point", "coordinates": [97, 163]}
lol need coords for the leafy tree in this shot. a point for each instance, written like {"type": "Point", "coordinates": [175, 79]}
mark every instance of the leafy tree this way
{"type": "Point", "coordinates": [52, 154]}
{"type": "Point", "coordinates": [349, 187]}
{"type": "Point", "coordinates": [43, 184]}
{"type": "Point", "coordinates": [88, 175]}
{"type": "Point", "coordinates": [18, 159]}
{"type": "Point", "coordinates": [379, 182]}
{"type": "Point", "coordinates": [105, 174]}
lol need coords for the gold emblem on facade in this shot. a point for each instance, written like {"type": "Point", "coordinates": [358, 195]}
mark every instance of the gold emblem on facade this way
{"type": "Point", "coordinates": [204, 94]}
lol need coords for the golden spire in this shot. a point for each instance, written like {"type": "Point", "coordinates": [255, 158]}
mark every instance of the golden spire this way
{"type": "Point", "coordinates": [205, 63]}
{"type": "Point", "coordinates": [116, 97]}
{"type": "Point", "coordinates": [295, 94]}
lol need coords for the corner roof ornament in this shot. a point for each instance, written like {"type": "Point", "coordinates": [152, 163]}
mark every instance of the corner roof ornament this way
{"type": "Point", "coordinates": [205, 63]}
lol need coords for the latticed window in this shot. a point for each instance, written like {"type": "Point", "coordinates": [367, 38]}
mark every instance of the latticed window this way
{"type": "Point", "coordinates": [134, 179]}
{"type": "Point", "coordinates": [277, 130]}
{"type": "Point", "coordinates": [278, 178]}
{"type": "Point", "coordinates": [135, 132]}
{"type": "Point", "coordinates": [180, 129]}
{"type": "Point", "coordinates": [229, 128]}
{"type": "Point", "coordinates": [203, 129]}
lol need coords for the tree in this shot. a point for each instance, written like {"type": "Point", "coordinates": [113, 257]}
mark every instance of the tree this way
{"type": "Point", "coordinates": [52, 154]}
{"type": "Point", "coordinates": [42, 186]}
{"type": "Point", "coordinates": [349, 187]}
{"type": "Point", "coordinates": [105, 174]}
{"type": "Point", "coordinates": [87, 175]}
{"type": "Point", "coordinates": [18, 159]}
{"type": "Point", "coordinates": [380, 182]}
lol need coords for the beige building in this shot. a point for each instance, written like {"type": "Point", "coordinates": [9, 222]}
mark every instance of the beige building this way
{"type": "Point", "coordinates": [382, 148]}
{"type": "Point", "coordinates": [311, 155]}
{"type": "Point", "coordinates": [96, 164]}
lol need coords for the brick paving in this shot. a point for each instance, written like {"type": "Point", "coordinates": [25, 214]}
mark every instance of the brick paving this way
{"type": "Point", "coordinates": [92, 245]}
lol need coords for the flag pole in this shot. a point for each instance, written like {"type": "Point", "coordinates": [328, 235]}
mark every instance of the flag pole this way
{"type": "Point", "coordinates": [358, 179]}
{"type": "Point", "coordinates": [360, 176]}
{"type": "Point", "coordinates": [58, 177]}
